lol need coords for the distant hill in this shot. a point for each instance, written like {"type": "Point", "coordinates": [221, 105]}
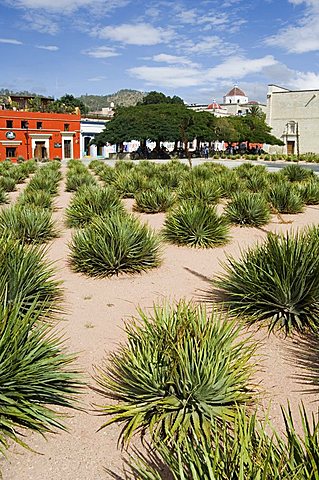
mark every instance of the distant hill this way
{"type": "Point", "coordinates": [123, 98]}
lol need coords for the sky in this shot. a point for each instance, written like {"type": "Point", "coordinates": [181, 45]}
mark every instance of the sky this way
{"type": "Point", "coordinates": [197, 49]}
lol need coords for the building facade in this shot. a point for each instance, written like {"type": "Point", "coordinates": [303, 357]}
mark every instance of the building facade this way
{"type": "Point", "coordinates": [91, 127]}
{"type": "Point", "coordinates": [39, 135]}
{"type": "Point", "coordinates": [294, 118]}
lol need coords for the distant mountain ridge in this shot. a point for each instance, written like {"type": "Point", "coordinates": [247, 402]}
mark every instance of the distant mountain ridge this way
{"type": "Point", "coordinates": [122, 98]}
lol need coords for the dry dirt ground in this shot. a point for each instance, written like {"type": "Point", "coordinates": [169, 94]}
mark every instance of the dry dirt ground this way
{"type": "Point", "coordinates": [93, 325]}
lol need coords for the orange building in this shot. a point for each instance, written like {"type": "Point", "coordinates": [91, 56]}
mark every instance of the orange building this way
{"type": "Point", "coordinates": [39, 135]}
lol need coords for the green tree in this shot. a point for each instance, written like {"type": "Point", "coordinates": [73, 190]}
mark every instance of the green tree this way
{"type": "Point", "coordinates": [153, 98]}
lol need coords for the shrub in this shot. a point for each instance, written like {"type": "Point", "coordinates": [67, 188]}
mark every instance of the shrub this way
{"type": "Point", "coordinates": [295, 173]}
{"type": "Point", "coordinates": [276, 282]}
{"type": "Point", "coordinates": [229, 183]}
{"type": "Point", "coordinates": [285, 198]}
{"type": "Point", "coordinates": [27, 224]}
{"type": "Point", "coordinates": [3, 196]}
{"type": "Point", "coordinates": [76, 180]}
{"type": "Point", "coordinates": [114, 244]}
{"type": "Point", "coordinates": [89, 202]}
{"type": "Point", "coordinates": [8, 184]}
{"type": "Point", "coordinates": [35, 198]}
{"type": "Point", "coordinates": [36, 376]}
{"type": "Point", "coordinates": [26, 278]}
{"type": "Point", "coordinates": [196, 225]}
{"type": "Point", "coordinates": [128, 183]}
{"type": "Point", "coordinates": [248, 209]}
{"type": "Point", "coordinates": [180, 370]}
{"type": "Point", "coordinates": [155, 200]}
{"type": "Point", "coordinates": [198, 190]}
{"type": "Point", "coordinates": [309, 192]}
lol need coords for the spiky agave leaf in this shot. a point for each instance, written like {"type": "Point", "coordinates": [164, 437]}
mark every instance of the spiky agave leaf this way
{"type": "Point", "coordinates": [180, 369]}
{"type": "Point", "coordinates": [244, 450]}
{"type": "Point", "coordinates": [76, 180]}
{"type": "Point", "coordinates": [8, 184]}
{"type": "Point", "coordinates": [296, 173]}
{"type": "Point", "coordinates": [117, 243]}
{"type": "Point", "coordinates": [35, 198]}
{"type": "Point", "coordinates": [198, 190]}
{"type": "Point", "coordinates": [195, 224]}
{"type": "Point", "coordinates": [37, 375]}
{"type": "Point", "coordinates": [309, 192]}
{"type": "Point", "coordinates": [154, 200]}
{"type": "Point", "coordinates": [26, 277]}
{"type": "Point", "coordinates": [248, 209]}
{"type": "Point", "coordinates": [28, 224]}
{"type": "Point", "coordinates": [3, 196]}
{"type": "Point", "coordinates": [285, 198]}
{"type": "Point", "coordinates": [276, 282]}
{"type": "Point", "coordinates": [89, 202]}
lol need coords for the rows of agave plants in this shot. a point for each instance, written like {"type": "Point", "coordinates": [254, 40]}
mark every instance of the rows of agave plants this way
{"type": "Point", "coordinates": [184, 379]}
{"type": "Point", "coordinates": [37, 374]}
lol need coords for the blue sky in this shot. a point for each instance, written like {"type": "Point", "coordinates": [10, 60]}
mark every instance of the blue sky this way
{"type": "Point", "coordinates": [195, 49]}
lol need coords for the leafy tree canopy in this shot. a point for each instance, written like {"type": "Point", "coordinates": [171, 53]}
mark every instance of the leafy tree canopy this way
{"type": "Point", "coordinates": [153, 98]}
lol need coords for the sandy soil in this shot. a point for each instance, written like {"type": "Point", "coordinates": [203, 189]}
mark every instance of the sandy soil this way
{"type": "Point", "coordinates": [95, 313]}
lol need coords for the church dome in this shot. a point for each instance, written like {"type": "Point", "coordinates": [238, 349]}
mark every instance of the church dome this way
{"type": "Point", "coordinates": [213, 106]}
{"type": "Point", "coordinates": [236, 92]}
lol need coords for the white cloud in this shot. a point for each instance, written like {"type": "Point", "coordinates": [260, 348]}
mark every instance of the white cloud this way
{"type": "Point", "coordinates": [168, 76]}
{"type": "Point", "coordinates": [64, 6]}
{"type": "Point", "coordinates": [100, 52]}
{"type": "Point", "coordinates": [305, 80]}
{"type": "Point", "coordinates": [239, 67]}
{"type": "Point", "coordinates": [11, 41]}
{"type": "Point", "coordinates": [304, 35]}
{"type": "Point", "coordinates": [40, 23]}
{"type": "Point", "coordinates": [210, 44]}
{"type": "Point", "coordinates": [136, 34]}
{"type": "Point", "coordinates": [172, 59]}
{"type": "Point", "coordinates": [51, 48]}
{"type": "Point", "coordinates": [96, 79]}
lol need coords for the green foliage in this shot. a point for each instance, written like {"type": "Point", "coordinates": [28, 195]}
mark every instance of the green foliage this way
{"type": "Point", "coordinates": [206, 191]}
{"type": "Point", "coordinates": [128, 183]}
{"type": "Point", "coordinates": [112, 245]}
{"type": "Point", "coordinates": [76, 180]}
{"type": "Point", "coordinates": [155, 200]}
{"type": "Point", "coordinates": [153, 98]}
{"type": "Point", "coordinates": [229, 183]}
{"type": "Point", "coordinates": [249, 450]}
{"type": "Point", "coordinates": [296, 173]}
{"type": "Point", "coordinates": [309, 192]}
{"type": "Point", "coordinates": [248, 209]}
{"type": "Point", "coordinates": [26, 278]}
{"type": "Point", "coordinates": [285, 198]}
{"type": "Point", "coordinates": [35, 198]}
{"type": "Point", "coordinates": [181, 370]}
{"type": "Point", "coordinates": [37, 375]}
{"type": "Point", "coordinates": [89, 202]}
{"type": "Point", "coordinates": [276, 282]}
{"type": "Point", "coordinates": [27, 224]}
{"type": "Point", "coordinates": [3, 196]}
{"type": "Point", "coordinates": [196, 225]}
{"type": "Point", "coordinates": [7, 183]}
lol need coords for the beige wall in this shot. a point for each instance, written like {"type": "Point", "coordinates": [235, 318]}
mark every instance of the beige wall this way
{"type": "Point", "coordinates": [302, 107]}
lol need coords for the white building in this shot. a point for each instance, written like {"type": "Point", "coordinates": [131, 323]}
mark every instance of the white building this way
{"type": "Point", "coordinates": [89, 128]}
{"type": "Point", "coordinates": [293, 116]}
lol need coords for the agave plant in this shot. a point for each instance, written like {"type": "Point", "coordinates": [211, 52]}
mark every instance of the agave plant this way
{"type": "Point", "coordinates": [285, 199]}
{"type": "Point", "coordinates": [198, 190]}
{"type": "Point", "coordinates": [35, 198]}
{"type": "Point", "coordinates": [89, 202]}
{"type": "Point", "coordinates": [248, 209]}
{"type": "Point", "coordinates": [276, 282]}
{"type": "Point", "coordinates": [296, 173]}
{"type": "Point", "coordinates": [114, 244]}
{"type": "Point", "coordinates": [195, 224]}
{"type": "Point", "coordinates": [37, 375]}
{"type": "Point", "coordinates": [229, 183]}
{"type": "Point", "coordinates": [128, 183]}
{"type": "Point", "coordinates": [154, 200]}
{"type": "Point", "coordinates": [180, 372]}
{"type": "Point", "coordinates": [27, 278]}
{"type": "Point", "coordinates": [45, 179]}
{"type": "Point", "coordinates": [28, 224]}
{"type": "Point", "coordinates": [249, 450]}
{"type": "Point", "coordinates": [8, 184]}
{"type": "Point", "coordinates": [3, 196]}
{"type": "Point", "coordinates": [309, 192]}
{"type": "Point", "coordinates": [77, 180]}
